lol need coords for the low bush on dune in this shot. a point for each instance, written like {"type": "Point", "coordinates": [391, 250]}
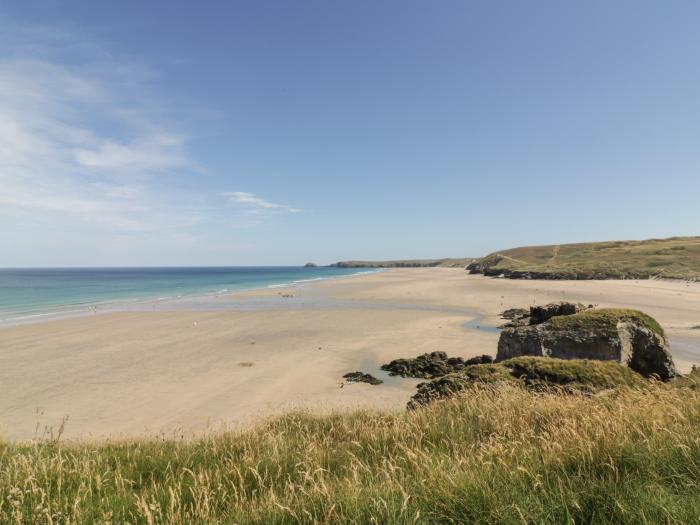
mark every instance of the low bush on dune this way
{"type": "Point", "coordinates": [505, 454]}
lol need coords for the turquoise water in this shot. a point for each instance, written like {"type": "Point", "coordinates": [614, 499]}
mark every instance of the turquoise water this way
{"type": "Point", "coordinates": [27, 293]}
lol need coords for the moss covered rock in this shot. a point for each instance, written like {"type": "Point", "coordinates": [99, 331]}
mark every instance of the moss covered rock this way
{"type": "Point", "coordinates": [628, 337]}
{"type": "Point", "coordinates": [535, 373]}
{"type": "Point", "coordinates": [542, 314]}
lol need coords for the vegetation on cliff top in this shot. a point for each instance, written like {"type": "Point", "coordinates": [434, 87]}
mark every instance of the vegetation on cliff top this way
{"type": "Point", "coordinates": [505, 455]}
{"type": "Point", "coordinates": [673, 258]}
{"type": "Point", "coordinates": [604, 320]}
{"type": "Point", "coordinates": [581, 375]}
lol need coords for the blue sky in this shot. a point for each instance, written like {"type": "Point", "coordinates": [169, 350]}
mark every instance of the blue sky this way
{"type": "Point", "coordinates": [237, 133]}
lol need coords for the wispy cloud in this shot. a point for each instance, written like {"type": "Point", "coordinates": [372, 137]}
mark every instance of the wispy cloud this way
{"type": "Point", "coordinates": [58, 149]}
{"type": "Point", "coordinates": [150, 153]}
{"type": "Point", "coordinates": [257, 204]}
{"type": "Point", "coordinates": [76, 144]}
{"type": "Point", "coordinates": [94, 160]}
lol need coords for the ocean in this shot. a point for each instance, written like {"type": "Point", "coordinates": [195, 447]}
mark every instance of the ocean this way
{"type": "Point", "coordinates": [27, 294]}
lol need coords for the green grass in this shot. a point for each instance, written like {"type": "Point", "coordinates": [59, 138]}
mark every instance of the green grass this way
{"type": "Point", "coordinates": [674, 258]}
{"type": "Point", "coordinates": [604, 320]}
{"type": "Point", "coordinates": [493, 455]}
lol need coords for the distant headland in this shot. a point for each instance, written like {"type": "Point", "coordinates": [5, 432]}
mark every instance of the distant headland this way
{"type": "Point", "coordinates": [406, 263]}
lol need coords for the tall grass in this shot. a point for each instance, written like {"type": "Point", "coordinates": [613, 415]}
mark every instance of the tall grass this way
{"type": "Point", "coordinates": [501, 455]}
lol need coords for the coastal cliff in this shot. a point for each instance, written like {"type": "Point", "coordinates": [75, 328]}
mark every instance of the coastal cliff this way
{"type": "Point", "coordinates": [673, 258]}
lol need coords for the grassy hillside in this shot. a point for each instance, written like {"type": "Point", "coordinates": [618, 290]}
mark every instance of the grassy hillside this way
{"type": "Point", "coordinates": [496, 455]}
{"type": "Point", "coordinates": [674, 258]}
{"type": "Point", "coordinates": [407, 263]}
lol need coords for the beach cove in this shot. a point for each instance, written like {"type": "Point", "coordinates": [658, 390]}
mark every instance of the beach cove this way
{"type": "Point", "coordinates": [188, 366]}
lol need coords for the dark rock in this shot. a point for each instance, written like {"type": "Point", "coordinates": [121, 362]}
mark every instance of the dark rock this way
{"type": "Point", "coordinates": [310, 265]}
{"type": "Point", "coordinates": [627, 337]}
{"type": "Point", "coordinates": [449, 385]}
{"type": "Point", "coordinates": [361, 377]}
{"type": "Point", "coordinates": [440, 388]}
{"type": "Point", "coordinates": [515, 313]}
{"type": "Point", "coordinates": [489, 268]}
{"type": "Point", "coordinates": [426, 366]}
{"type": "Point", "coordinates": [478, 360]}
{"type": "Point", "coordinates": [541, 314]}
{"type": "Point", "coordinates": [434, 364]}
{"type": "Point", "coordinates": [516, 317]}
{"type": "Point", "coordinates": [647, 352]}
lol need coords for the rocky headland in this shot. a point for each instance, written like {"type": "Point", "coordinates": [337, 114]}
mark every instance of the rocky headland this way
{"type": "Point", "coordinates": [568, 331]}
{"type": "Point", "coordinates": [672, 258]}
{"type": "Point", "coordinates": [572, 347]}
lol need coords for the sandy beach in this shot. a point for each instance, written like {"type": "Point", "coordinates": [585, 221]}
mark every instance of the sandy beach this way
{"type": "Point", "coordinates": [258, 353]}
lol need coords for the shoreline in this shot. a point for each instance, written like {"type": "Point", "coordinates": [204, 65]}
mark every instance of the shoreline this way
{"type": "Point", "coordinates": [250, 355]}
{"type": "Point", "coordinates": [89, 308]}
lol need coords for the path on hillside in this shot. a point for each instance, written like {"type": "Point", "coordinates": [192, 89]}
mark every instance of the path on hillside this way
{"type": "Point", "coordinates": [511, 259]}
{"type": "Point", "coordinates": [555, 253]}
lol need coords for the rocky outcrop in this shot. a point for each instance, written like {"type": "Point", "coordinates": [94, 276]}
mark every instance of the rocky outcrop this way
{"type": "Point", "coordinates": [542, 314]}
{"type": "Point", "coordinates": [361, 377]}
{"type": "Point", "coordinates": [489, 266]}
{"type": "Point", "coordinates": [449, 385]}
{"type": "Point", "coordinates": [515, 313]}
{"type": "Point", "coordinates": [533, 373]}
{"type": "Point", "coordinates": [310, 265]}
{"type": "Point", "coordinates": [434, 364]}
{"type": "Point", "coordinates": [507, 273]}
{"type": "Point", "coordinates": [628, 337]}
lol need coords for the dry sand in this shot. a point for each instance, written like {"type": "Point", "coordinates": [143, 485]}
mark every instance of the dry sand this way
{"type": "Point", "coordinates": [183, 372]}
